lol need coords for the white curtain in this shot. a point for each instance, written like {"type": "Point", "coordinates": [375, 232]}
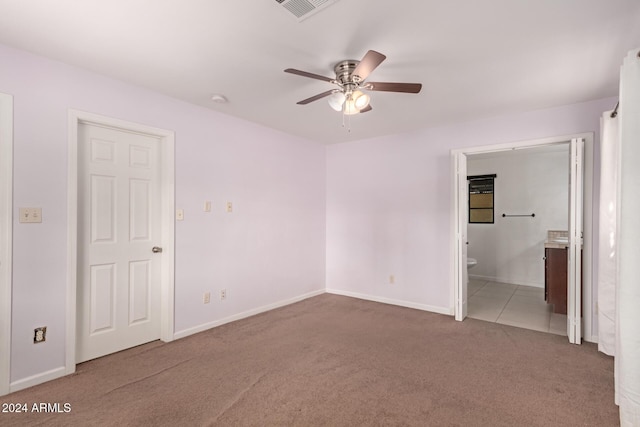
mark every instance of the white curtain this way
{"type": "Point", "coordinates": [607, 257]}
{"type": "Point", "coordinates": [627, 351]}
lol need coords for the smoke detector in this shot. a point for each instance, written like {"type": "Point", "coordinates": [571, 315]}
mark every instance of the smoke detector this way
{"type": "Point", "coordinates": [303, 9]}
{"type": "Point", "coordinates": [218, 98]}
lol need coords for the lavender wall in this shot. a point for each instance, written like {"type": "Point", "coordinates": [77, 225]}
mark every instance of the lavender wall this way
{"type": "Point", "coordinates": [270, 250]}
{"type": "Point", "coordinates": [389, 202]}
{"type": "Point", "coordinates": [352, 213]}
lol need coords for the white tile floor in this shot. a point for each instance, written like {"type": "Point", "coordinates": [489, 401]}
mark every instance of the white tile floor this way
{"type": "Point", "coordinates": [514, 305]}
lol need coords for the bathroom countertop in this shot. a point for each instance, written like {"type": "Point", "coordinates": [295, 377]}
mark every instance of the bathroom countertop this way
{"type": "Point", "coordinates": [557, 239]}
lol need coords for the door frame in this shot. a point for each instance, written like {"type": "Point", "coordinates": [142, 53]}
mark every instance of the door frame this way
{"type": "Point", "coordinates": [6, 238]}
{"type": "Point", "coordinates": [167, 185]}
{"type": "Point", "coordinates": [457, 283]}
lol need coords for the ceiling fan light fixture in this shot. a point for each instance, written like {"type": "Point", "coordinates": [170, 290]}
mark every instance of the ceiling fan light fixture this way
{"type": "Point", "coordinates": [360, 99]}
{"type": "Point", "coordinates": [349, 107]}
{"type": "Point", "coordinates": [336, 101]}
{"type": "Point", "coordinates": [355, 101]}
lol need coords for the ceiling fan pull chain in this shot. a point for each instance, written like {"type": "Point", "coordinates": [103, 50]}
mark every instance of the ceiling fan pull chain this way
{"type": "Point", "coordinates": [348, 124]}
{"type": "Point", "coordinates": [343, 116]}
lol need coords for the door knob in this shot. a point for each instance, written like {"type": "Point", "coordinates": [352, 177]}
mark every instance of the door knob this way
{"type": "Point", "coordinates": [156, 249]}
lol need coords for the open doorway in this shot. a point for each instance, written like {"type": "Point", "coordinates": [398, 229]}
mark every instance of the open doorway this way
{"type": "Point", "coordinates": [530, 202]}
{"type": "Point", "coordinates": [579, 299]}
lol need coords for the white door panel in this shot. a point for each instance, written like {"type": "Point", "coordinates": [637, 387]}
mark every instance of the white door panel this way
{"type": "Point", "coordinates": [462, 190]}
{"type": "Point", "coordinates": [102, 294]}
{"type": "Point", "coordinates": [574, 267]}
{"type": "Point", "coordinates": [140, 289]}
{"type": "Point", "coordinates": [118, 225]}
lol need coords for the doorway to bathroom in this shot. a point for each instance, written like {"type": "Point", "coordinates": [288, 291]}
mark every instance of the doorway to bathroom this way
{"type": "Point", "coordinates": [507, 284]}
{"type": "Point", "coordinates": [538, 190]}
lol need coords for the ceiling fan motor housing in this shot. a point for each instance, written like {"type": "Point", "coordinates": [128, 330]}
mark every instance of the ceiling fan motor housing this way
{"type": "Point", "coordinates": [344, 74]}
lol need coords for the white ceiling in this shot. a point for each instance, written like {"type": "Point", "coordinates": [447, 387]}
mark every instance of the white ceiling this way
{"type": "Point", "coordinates": [475, 58]}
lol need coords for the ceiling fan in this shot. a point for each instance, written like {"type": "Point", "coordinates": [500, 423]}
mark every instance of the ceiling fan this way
{"type": "Point", "coordinates": [351, 78]}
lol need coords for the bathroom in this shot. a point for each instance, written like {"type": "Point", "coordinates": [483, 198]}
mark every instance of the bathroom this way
{"type": "Point", "coordinates": [530, 197]}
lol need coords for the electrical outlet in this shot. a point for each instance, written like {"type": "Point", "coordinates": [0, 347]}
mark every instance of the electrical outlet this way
{"type": "Point", "coordinates": [223, 294]}
{"type": "Point", "coordinates": [39, 335]}
{"type": "Point", "coordinates": [392, 279]}
{"type": "Point", "coordinates": [179, 214]}
{"type": "Point", "coordinates": [30, 215]}
{"type": "Point", "coordinates": [206, 298]}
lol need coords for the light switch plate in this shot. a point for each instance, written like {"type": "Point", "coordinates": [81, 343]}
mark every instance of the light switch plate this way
{"type": "Point", "coordinates": [229, 207]}
{"type": "Point", "coordinates": [30, 215]}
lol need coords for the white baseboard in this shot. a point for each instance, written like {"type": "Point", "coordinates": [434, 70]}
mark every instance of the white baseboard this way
{"type": "Point", "coordinates": [37, 379]}
{"type": "Point", "coordinates": [401, 303]}
{"type": "Point", "coordinates": [245, 314]}
{"type": "Point", "coordinates": [506, 280]}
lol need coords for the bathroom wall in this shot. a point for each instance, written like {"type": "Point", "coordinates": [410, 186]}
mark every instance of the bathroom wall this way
{"type": "Point", "coordinates": [528, 181]}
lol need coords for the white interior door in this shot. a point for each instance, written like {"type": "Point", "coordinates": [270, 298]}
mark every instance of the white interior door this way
{"type": "Point", "coordinates": [119, 218]}
{"type": "Point", "coordinates": [574, 276]}
{"type": "Point", "coordinates": [462, 201]}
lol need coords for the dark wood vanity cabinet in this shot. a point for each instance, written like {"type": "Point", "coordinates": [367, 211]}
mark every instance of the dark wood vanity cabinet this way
{"type": "Point", "coordinates": [555, 279]}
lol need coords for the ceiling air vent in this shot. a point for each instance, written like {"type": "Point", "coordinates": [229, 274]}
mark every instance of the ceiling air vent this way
{"type": "Point", "coordinates": [302, 9]}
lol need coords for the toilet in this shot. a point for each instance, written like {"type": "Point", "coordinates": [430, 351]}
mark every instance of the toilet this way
{"type": "Point", "coordinates": [471, 262]}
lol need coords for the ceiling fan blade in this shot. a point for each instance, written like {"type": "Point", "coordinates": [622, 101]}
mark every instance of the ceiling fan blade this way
{"type": "Point", "coordinates": [367, 108]}
{"type": "Point", "coordinates": [394, 87]}
{"type": "Point", "coordinates": [315, 98]}
{"type": "Point", "coordinates": [307, 74]}
{"type": "Point", "coordinates": [369, 62]}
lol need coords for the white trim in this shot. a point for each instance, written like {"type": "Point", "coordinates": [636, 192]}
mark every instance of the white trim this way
{"type": "Point", "coordinates": [6, 236]}
{"type": "Point", "coordinates": [245, 314]}
{"type": "Point", "coordinates": [38, 379]}
{"type": "Point", "coordinates": [401, 303]}
{"type": "Point", "coordinates": [72, 246]}
{"type": "Point", "coordinates": [167, 150]}
{"type": "Point", "coordinates": [587, 305]}
{"type": "Point", "coordinates": [517, 145]}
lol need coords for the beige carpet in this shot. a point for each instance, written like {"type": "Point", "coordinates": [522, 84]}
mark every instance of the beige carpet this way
{"type": "Point", "coordinates": [338, 361]}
